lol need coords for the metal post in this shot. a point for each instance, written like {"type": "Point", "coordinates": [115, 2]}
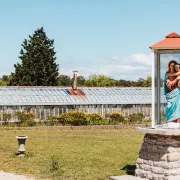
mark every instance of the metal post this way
{"type": "Point", "coordinates": [102, 110]}
{"type": "Point", "coordinates": [58, 110]}
{"type": "Point", "coordinates": [158, 90]}
{"type": "Point", "coordinates": [35, 112]}
{"type": "Point", "coordinates": [153, 90]}
{"type": "Point", "coordinates": [44, 113]}
{"type": "Point", "coordinates": [40, 112]}
{"type": "Point", "coordinates": [54, 111]}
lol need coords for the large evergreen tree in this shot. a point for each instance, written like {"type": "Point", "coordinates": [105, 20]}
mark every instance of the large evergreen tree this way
{"type": "Point", "coordinates": [38, 66]}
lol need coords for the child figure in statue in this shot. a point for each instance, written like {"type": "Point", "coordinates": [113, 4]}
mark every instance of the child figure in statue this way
{"type": "Point", "coordinates": [173, 80]}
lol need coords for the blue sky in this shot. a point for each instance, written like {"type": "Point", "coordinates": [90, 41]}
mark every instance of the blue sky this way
{"type": "Point", "coordinates": [110, 37]}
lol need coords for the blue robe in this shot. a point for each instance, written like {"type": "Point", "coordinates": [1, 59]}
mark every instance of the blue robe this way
{"type": "Point", "coordinates": [173, 102]}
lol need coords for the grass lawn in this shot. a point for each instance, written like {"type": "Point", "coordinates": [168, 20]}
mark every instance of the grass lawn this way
{"type": "Point", "coordinates": [70, 154]}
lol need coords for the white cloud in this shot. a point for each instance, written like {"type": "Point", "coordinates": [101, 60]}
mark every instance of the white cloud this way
{"type": "Point", "coordinates": [129, 68]}
{"type": "Point", "coordinates": [134, 60]}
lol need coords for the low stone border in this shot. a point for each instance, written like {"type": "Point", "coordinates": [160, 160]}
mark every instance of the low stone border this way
{"type": "Point", "coordinates": [123, 126]}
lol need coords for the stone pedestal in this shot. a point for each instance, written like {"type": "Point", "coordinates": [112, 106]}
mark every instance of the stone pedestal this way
{"type": "Point", "coordinates": [21, 142]}
{"type": "Point", "coordinates": [159, 157]}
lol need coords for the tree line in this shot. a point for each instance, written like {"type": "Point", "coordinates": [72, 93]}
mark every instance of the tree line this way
{"type": "Point", "coordinates": [103, 81]}
{"type": "Point", "coordinates": [38, 67]}
{"type": "Point", "coordinates": [91, 81]}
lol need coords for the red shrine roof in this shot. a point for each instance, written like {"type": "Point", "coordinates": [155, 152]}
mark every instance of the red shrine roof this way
{"type": "Point", "coordinates": [172, 41]}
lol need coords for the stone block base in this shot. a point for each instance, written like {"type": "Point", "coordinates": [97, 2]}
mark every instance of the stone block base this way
{"type": "Point", "coordinates": [159, 157]}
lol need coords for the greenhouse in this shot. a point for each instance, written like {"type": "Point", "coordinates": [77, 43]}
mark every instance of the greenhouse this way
{"type": "Point", "coordinates": [51, 101]}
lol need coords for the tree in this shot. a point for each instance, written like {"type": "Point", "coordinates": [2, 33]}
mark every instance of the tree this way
{"type": "Point", "coordinates": [6, 79]}
{"type": "Point", "coordinates": [38, 66]}
{"type": "Point", "coordinates": [140, 82]}
{"type": "Point", "coordinates": [80, 81]}
{"type": "Point", "coordinates": [2, 83]}
{"type": "Point", "coordinates": [99, 81]}
{"type": "Point", "coordinates": [64, 80]}
{"type": "Point", "coordinates": [124, 83]}
{"type": "Point", "coordinates": [147, 82]}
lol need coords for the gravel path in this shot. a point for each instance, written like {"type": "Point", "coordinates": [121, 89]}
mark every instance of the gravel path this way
{"type": "Point", "coordinates": [10, 176]}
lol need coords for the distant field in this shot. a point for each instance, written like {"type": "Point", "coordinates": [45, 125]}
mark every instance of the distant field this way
{"type": "Point", "coordinates": [70, 154]}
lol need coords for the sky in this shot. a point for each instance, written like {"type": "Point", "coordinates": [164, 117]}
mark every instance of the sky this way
{"type": "Point", "coordinates": [109, 37]}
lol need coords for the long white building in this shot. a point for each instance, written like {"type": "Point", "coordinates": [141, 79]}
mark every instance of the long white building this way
{"type": "Point", "coordinates": [47, 101]}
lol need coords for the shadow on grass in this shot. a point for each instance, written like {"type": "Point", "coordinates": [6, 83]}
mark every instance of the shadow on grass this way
{"type": "Point", "coordinates": [129, 169]}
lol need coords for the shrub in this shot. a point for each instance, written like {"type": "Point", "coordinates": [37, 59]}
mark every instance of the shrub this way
{"type": "Point", "coordinates": [78, 118]}
{"type": "Point", "coordinates": [116, 117]}
{"type": "Point", "coordinates": [29, 123]}
{"type": "Point", "coordinates": [63, 119]}
{"type": "Point", "coordinates": [24, 116]}
{"type": "Point", "coordinates": [54, 163]}
{"type": "Point", "coordinates": [55, 168]}
{"type": "Point", "coordinates": [75, 118]}
{"type": "Point", "coordinates": [6, 117]}
{"type": "Point", "coordinates": [51, 121]}
{"type": "Point", "coordinates": [95, 119]}
{"type": "Point", "coordinates": [136, 118]}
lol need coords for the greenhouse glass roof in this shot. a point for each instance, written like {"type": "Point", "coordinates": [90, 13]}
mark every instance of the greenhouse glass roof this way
{"type": "Point", "coordinates": [10, 96]}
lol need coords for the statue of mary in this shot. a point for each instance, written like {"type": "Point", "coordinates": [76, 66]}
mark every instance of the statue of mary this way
{"type": "Point", "coordinates": [172, 92]}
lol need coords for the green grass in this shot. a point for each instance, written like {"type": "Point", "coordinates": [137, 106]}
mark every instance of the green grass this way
{"type": "Point", "coordinates": [70, 154]}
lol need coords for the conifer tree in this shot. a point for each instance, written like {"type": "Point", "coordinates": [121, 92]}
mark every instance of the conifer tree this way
{"type": "Point", "coordinates": [38, 62]}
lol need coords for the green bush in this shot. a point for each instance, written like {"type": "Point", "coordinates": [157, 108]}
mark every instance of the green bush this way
{"type": "Point", "coordinates": [78, 118]}
{"type": "Point", "coordinates": [95, 119]}
{"type": "Point", "coordinates": [63, 119]}
{"type": "Point", "coordinates": [6, 117]}
{"type": "Point", "coordinates": [12, 124]}
{"type": "Point", "coordinates": [74, 118]}
{"type": "Point", "coordinates": [136, 118]}
{"type": "Point", "coordinates": [51, 121]}
{"type": "Point", "coordinates": [29, 123]}
{"type": "Point", "coordinates": [116, 117]}
{"type": "Point", "coordinates": [24, 116]}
